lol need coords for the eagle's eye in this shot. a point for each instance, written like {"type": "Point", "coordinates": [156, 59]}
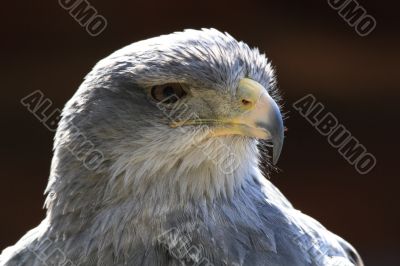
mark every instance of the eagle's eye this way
{"type": "Point", "coordinates": [167, 93]}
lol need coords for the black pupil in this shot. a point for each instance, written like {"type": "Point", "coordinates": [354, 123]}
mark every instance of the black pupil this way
{"type": "Point", "coordinates": [169, 91]}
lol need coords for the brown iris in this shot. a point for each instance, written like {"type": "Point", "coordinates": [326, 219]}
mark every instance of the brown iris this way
{"type": "Point", "coordinates": [167, 93]}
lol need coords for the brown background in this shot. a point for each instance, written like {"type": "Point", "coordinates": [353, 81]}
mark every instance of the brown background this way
{"type": "Point", "coordinates": [313, 50]}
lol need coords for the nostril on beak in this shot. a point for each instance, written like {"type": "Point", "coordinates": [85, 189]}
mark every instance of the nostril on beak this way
{"type": "Point", "coordinates": [246, 102]}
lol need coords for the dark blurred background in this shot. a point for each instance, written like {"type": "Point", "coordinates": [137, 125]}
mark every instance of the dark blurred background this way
{"type": "Point", "coordinates": [314, 51]}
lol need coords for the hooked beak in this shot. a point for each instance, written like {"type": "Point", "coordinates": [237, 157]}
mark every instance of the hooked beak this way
{"type": "Point", "coordinates": [263, 116]}
{"type": "Point", "coordinates": [259, 117]}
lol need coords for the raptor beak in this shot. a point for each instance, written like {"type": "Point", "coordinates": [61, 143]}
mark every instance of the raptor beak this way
{"type": "Point", "coordinates": [258, 116]}
{"type": "Point", "coordinates": [261, 117]}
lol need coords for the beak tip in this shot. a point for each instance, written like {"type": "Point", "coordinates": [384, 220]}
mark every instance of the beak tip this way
{"type": "Point", "coordinates": [276, 151]}
{"type": "Point", "coordinates": [265, 115]}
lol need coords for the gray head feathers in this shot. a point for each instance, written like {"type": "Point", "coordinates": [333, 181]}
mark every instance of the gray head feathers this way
{"type": "Point", "coordinates": [154, 186]}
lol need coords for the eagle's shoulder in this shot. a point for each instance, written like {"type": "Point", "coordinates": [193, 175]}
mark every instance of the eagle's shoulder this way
{"type": "Point", "coordinates": [23, 252]}
{"type": "Point", "coordinates": [296, 234]}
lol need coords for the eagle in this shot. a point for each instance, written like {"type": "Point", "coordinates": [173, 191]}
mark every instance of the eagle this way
{"type": "Point", "coordinates": [158, 161]}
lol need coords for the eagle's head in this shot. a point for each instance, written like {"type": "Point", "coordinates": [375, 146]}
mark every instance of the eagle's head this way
{"type": "Point", "coordinates": [167, 120]}
{"type": "Point", "coordinates": [163, 134]}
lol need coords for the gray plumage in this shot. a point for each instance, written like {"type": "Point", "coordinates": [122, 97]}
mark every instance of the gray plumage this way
{"type": "Point", "coordinates": [158, 186]}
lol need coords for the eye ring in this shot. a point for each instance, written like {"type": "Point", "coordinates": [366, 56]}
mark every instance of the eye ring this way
{"type": "Point", "coordinates": [167, 93]}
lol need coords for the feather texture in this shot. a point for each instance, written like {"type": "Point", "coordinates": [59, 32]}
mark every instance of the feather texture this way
{"type": "Point", "coordinates": [162, 195]}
